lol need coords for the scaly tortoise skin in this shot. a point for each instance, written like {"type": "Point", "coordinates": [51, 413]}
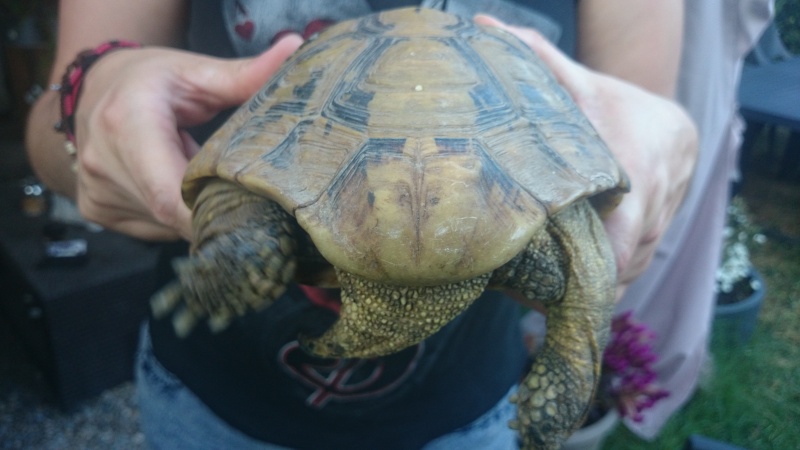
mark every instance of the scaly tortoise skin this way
{"type": "Point", "coordinates": [413, 159]}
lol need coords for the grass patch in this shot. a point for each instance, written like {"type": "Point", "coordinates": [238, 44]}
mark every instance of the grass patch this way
{"type": "Point", "coordinates": [752, 398]}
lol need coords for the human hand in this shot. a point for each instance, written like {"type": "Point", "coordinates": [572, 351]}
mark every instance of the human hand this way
{"type": "Point", "coordinates": [652, 138]}
{"type": "Point", "coordinates": [130, 127]}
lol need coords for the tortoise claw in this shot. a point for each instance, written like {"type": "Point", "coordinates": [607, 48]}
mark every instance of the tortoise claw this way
{"type": "Point", "coordinates": [184, 322]}
{"type": "Point", "coordinates": [219, 322]}
{"type": "Point", "coordinates": [165, 300]}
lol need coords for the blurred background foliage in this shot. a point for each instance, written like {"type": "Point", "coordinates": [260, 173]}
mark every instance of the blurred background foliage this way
{"type": "Point", "coordinates": [787, 19]}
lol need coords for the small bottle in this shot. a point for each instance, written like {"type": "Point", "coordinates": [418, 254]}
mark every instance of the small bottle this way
{"type": "Point", "coordinates": [34, 198]}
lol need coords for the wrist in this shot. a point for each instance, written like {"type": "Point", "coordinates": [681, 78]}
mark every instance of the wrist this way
{"type": "Point", "coordinates": [72, 83]}
{"type": "Point", "coordinates": [45, 146]}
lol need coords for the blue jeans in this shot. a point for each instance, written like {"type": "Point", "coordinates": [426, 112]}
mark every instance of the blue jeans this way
{"type": "Point", "coordinates": [173, 417]}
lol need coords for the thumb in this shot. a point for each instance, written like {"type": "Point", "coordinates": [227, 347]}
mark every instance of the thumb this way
{"type": "Point", "coordinates": [231, 83]}
{"type": "Point", "coordinates": [568, 72]}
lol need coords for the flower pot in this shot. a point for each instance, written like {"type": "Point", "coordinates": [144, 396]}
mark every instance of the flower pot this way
{"type": "Point", "coordinates": [592, 437]}
{"type": "Point", "coordinates": [734, 323]}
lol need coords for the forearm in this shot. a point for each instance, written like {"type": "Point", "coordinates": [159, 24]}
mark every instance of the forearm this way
{"type": "Point", "coordinates": [45, 146]}
{"type": "Point", "coordinates": [637, 41]}
{"type": "Point", "coordinates": [85, 24]}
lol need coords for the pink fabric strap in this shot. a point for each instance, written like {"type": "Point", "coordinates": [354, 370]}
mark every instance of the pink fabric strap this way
{"type": "Point", "coordinates": [73, 80]}
{"type": "Point", "coordinates": [325, 298]}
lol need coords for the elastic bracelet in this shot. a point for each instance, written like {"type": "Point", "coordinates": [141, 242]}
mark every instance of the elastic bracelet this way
{"type": "Point", "coordinates": [71, 84]}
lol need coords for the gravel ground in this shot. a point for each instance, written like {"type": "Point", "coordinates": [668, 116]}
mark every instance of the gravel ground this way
{"type": "Point", "coordinates": [30, 420]}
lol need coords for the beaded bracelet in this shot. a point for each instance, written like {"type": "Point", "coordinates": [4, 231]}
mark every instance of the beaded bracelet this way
{"type": "Point", "coordinates": [72, 81]}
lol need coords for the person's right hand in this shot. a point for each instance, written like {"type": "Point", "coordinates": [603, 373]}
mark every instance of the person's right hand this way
{"type": "Point", "coordinates": [130, 128]}
{"type": "Point", "coordinates": [653, 139]}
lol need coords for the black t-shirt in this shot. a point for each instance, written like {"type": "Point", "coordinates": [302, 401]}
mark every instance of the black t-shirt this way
{"type": "Point", "coordinates": [255, 376]}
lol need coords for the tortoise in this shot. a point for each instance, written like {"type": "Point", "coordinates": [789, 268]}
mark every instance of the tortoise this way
{"type": "Point", "coordinates": [413, 159]}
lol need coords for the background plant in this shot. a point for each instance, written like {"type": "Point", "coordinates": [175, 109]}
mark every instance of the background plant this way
{"type": "Point", "coordinates": [787, 19]}
{"type": "Point", "coordinates": [733, 278]}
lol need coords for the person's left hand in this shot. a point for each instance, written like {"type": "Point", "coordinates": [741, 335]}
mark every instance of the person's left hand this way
{"type": "Point", "coordinates": [133, 147]}
{"type": "Point", "coordinates": [653, 139]}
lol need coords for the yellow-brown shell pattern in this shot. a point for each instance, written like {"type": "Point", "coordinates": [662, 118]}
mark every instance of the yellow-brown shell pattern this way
{"type": "Point", "coordinates": [413, 146]}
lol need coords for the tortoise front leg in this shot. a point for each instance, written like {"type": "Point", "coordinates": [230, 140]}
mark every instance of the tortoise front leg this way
{"type": "Point", "coordinates": [570, 268]}
{"type": "Point", "coordinates": [241, 259]}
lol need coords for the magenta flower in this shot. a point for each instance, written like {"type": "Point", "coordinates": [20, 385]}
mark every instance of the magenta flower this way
{"type": "Point", "coordinates": [629, 382]}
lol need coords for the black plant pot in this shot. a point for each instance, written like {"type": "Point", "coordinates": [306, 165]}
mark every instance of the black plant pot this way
{"type": "Point", "coordinates": [734, 323]}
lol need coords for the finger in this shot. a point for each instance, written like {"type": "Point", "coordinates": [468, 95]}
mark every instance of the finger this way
{"type": "Point", "coordinates": [146, 230]}
{"type": "Point", "coordinates": [568, 72]}
{"type": "Point", "coordinates": [527, 35]}
{"type": "Point", "coordinates": [157, 168]}
{"type": "Point", "coordinates": [104, 191]}
{"type": "Point", "coordinates": [230, 83]}
{"type": "Point", "coordinates": [190, 146]}
{"type": "Point", "coordinates": [632, 243]}
{"type": "Point", "coordinates": [623, 227]}
{"type": "Point", "coordinates": [138, 183]}
{"type": "Point", "coordinates": [636, 267]}
{"type": "Point", "coordinates": [103, 203]}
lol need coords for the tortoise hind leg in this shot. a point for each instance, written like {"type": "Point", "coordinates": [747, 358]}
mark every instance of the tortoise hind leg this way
{"type": "Point", "coordinates": [241, 260]}
{"type": "Point", "coordinates": [377, 319]}
{"type": "Point", "coordinates": [570, 268]}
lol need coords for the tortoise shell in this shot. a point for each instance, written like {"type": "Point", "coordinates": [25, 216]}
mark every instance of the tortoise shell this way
{"type": "Point", "coordinates": [413, 146]}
